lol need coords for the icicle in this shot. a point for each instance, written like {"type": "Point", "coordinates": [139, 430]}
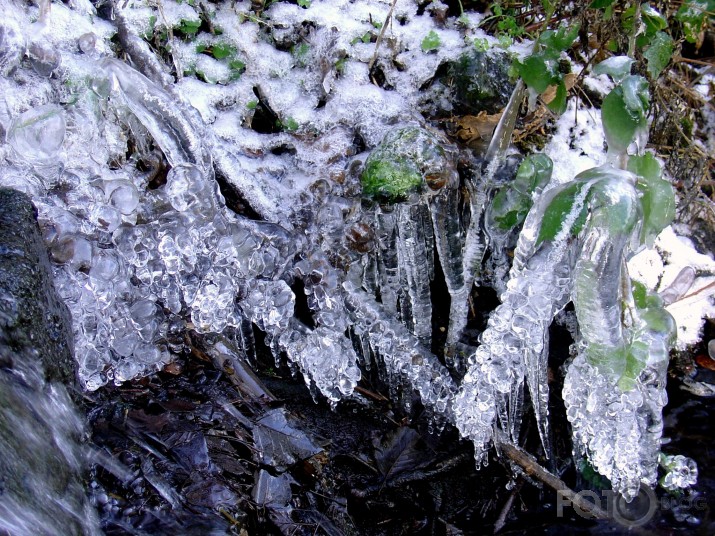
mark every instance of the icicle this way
{"type": "Point", "coordinates": [401, 352]}
{"type": "Point", "coordinates": [448, 236]}
{"type": "Point", "coordinates": [472, 256]}
{"type": "Point", "coordinates": [411, 243]}
{"type": "Point", "coordinates": [614, 389]}
{"type": "Point", "coordinates": [515, 343]}
{"type": "Point", "coordinates": [388, 261]}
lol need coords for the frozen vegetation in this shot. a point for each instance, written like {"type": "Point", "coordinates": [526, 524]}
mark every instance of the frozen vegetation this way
{"type": "Point", "coordinates": [346, 193]}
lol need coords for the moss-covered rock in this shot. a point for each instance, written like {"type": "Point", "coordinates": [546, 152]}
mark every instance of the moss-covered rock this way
{"type": "Point", "coordinates": [409, 160]}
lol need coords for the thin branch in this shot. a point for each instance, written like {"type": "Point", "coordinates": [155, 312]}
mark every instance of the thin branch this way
{"type": "Point", "coordinates": [379, 37]}
{"type": "Point", "coordinates": [532, 468]}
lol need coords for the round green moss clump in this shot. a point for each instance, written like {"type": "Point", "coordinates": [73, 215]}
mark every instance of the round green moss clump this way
{"type": "Point", "coordinates": [408, 160]}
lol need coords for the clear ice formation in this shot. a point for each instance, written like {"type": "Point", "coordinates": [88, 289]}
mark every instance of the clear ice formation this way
{"type": "Point", "coordinates": [573, 247]}
{"type": "Point", "coordinates": [140, 255]}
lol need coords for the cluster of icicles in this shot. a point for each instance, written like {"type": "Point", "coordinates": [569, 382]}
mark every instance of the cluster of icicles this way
{"type": "Point", "coordinates": [135, 263]}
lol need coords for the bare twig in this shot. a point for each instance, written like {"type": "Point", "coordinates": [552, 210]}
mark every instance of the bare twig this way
{"type": "Point", "coordinates": [381, 34]}
{"type": "Point", "coordinates": [501, 520]}
{"type": "Point", "coordinates": [532, 468]}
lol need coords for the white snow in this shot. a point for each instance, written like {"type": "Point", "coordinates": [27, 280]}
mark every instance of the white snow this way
{"type": "Point", "coordinates": [656, 268]}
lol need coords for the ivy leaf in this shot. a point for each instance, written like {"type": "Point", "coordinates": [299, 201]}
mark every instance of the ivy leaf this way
{"type": "Point", "coordinates": [659, 53]}
{"type": "Point", "coordinates": [657, 196]}
{"type": "Point", "coordinates": [653, 20]}
{"type": "Point", "coordinates": [189, 27]}
{"type": "Point", "coordinates": [430, 42]}
{"type": "Point", "coordinates": [640, 294]}
{"type": "Point", "coordinates": [617, 67]}
{"type": "Point", "coordinates": [558, 104]}
{"type": "Point", "coordinates": [512, 203]}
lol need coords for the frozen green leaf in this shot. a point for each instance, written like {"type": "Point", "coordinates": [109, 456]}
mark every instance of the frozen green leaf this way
{"type": "Point", "coordinates": [624, 113]}
{"type": "Point", "coordinates": [659, 53]}
{"type": "Point", "coordinates": [657, 195]}
{"type": "Point", "coordinates": [222, 50]}
{"type": "Point", "coordinates": [557, 213]}
{"type": "Point", "coordinates": [617, 67]}
{"type": "Point", "coordinates": [430, 42]}
{"type": "Point", "coordinates": [694, 15]}
{"type": "Point", "coordinates": [189, 27]}
{"type": "Point", "coordinates": [652, 19]}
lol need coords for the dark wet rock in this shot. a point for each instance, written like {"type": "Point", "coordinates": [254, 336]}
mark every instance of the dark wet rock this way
{"type": "Point", "coordinates": [34, 323]}
{"type": "Point", "coordinates": [480, 81]}
{"type": "Point", "coordinates": [41, 458]}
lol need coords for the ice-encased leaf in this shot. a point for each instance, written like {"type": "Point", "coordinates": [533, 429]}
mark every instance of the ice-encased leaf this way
{"type": "Point", "coordinates": [408, 160]}
{"type": "Point", "coordinates": [617, 67]}
{"type": "Point", "coordinates": [624, 113]}
{"type": "Point", "coordinates": [658, 196]}
{"type": "Point", "coordinates": [512, 202]}
{"type": "Point", "coordinates": [562, 206]}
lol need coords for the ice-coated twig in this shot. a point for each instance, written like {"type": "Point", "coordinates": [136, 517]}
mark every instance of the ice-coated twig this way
{"type": "Point", "coordinates": [166, 120]}
{"type": "Point", "coordinates": [139, 51]}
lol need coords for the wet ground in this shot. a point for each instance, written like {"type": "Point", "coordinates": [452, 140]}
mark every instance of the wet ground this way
{"type": "Point", "coordinates": [199, 455]}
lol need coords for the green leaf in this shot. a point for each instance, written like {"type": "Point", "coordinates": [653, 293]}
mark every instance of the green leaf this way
{"type": "Point", "coordinates": [600, 4]}
{"type": "Point", "coordinates": [290, 125]}
{"type": "Point", "coordinates": [222, 50]}
{"type": "Point", "coordinates": [252, 104]}
{"type": "Point", "coordinates": [481, 44]}
{"type": "Point", "coordinates": [189, 27]}
{"type": "Point", "coordinates": [636, 358]}
{"type": "Point", "coordinates": [657, 196]}
{"type": "Point", "coordinates": [624, 113]}
{"type": "Point", "coordinates": [652, 19]}
{"type": "Point", "coordinates": [430, 42]}
{"type": "Point", "coordinates": [557, 213]}
{"type": "Point", "coordinates": [640, 294]}
{"type": "Point", "coordinates": [559, 40]}
{"type": "Point", "coordinates": [659, 53]}
{"type": "Point", "coordinates": [538, 72]}
{"type": "Point", "coordinates": [617, 67]}
{"type": "Point", "coordinates": [558, 104]}
{"type": "Point", "coordinates": [300, 53]}
{"type": "Point", "coordinates": [694, 15]}
{"type": "Point", "coordinates": [305, 4]}
{"type": "Point", "coordinates": [533, 174]}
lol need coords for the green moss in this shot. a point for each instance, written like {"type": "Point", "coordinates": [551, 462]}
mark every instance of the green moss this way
{"type": "Point", "coordinates": [389, 181]}
{"type": "Point", "coordinates": [409, 160]}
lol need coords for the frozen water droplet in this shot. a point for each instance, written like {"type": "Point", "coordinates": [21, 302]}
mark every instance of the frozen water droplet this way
{"type": "Point", "coordinates": [37, 135]}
